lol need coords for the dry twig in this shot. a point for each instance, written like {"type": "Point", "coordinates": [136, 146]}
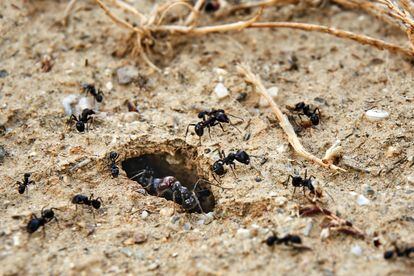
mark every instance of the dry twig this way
{"type": "Point", "coordinates": [283, 120]}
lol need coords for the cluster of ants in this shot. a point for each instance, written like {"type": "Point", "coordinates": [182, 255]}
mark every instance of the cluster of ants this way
{"type": "Point", "coordinates": [47, 215]}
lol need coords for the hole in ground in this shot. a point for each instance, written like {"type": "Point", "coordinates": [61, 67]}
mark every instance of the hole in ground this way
{"type": "Point", "coordinates": [177, 165]}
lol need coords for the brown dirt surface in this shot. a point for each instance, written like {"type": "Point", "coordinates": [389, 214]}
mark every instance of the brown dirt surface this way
{"type": "Point", "coordinates": [342, 78]}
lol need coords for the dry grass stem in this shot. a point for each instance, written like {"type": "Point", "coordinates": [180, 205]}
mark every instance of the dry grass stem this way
{"type": "Point", "coordinates": [283, 120]}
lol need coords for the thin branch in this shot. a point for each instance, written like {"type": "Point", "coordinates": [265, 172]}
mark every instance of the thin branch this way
{"type": "Point", "coordinates": [283, 120]}
{"type": "Point", "coordinates": [128, 8]}
{"type": "Point", "coordinates": [237, 26]}
{"type": "Point", "coordinates": [194, 13]}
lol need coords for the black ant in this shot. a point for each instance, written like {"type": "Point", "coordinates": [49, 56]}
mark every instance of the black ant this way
{"type": "Point", "coordinates": [170, 188]}
{"type": "Point", "coordinates": [210, 119]}
{"type": "Point", "coordinates": [90, 88]}
{"type": "Point", "coordinates": [218, 166]}
{"type": "Point", "coordinates": [211, 6]}
{"type": "Point", "coordinates": [83, 119]}
{"type": "Point", "coordinates": [286, 240]}
{"type": "Point", "coordinates": [35, 223]}
{"type": "Point", "coordinates": [298, 181]}
{"type": "Point", "coordinates": [289, 240]}
{"type": "Point", "coordinates": [26, 182]}
{"type": "Point", "coordinates": [314, 115]}
{"type": "Point", "coordinates": [398, 252]}
{"type": "Point", "coordinates": [89, 201]}
{"type": "Point", "coordinates": [113, 156]}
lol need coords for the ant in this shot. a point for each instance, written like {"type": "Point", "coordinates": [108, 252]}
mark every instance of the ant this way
{"type": "Point", "coordinates": [89, 201]}
{"type": "Point", "coordinates": [286, 240]}
{"type": "Point", "coordinates": [90, 88]}
{"type": "Point", "coordinates": [406, 252]}
{"type": "Point", "coordinates": [210, 119]}
{"type": "Point", "coordinates": [314, 115]}
{"type": "Point", "coordinates": [298, 181]}
{"type": "Point", "coordinates": [35, 223]}
{"type": "Point", "coordinates": [169, 186]}
{"type": "Point", "coordinates": [83, 119]}
{"type": "Point", "coordinates": [26, 182]}
{"type": "Point", "coordinates": [289, 240]}
{"type": "Point", "coordinates": [113, 156]}
{"type": "Point", "coordinates": [218, 166]}
{"type": "Point", "coordinates": [211, 6]}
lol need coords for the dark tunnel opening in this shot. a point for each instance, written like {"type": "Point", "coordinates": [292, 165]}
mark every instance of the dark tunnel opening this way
{"type": "Point", "coordinates": [165, 164]}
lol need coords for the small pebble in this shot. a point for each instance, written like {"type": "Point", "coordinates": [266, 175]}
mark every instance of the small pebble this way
{"type": "Point", "coordinates": [221, 91]}
{"type": "Point", "coordinates": [410, 179]}
{"type": "Point", "coordinates": [376, 115]}
{"type": "Point", "coordinates": [187, 226]}
{"type": "Point", "coordinates": [109, 85]}
{"type": "Point", "coordinates": [257, 179]}
{"type": "Point", "coordinates": [356, 250]}
{"type": "Point", "coordinates": [280, 201]}
{"type": "Point", "coordinates": [362, 200]}
{"type": "Point", "coordinates": [243, 234]}
{"type": "Point", "coordinates": [2, 154]}
{"type": "Point", "coordinates": [140, 238]}
{"type": "Point", "coordinates": [368, 190]}
{"type": "Point", "coordinates": [129, 117]}
{"type": "Point", "coordinates": [241, 97]}
{"type": "Point", "coordinates": [127, 252]}
{"type": "Point", "coordinates": [3, 73]}
{"type": "Point", "coordinates": [392, 151]}
{"type": "Point", "coordinates": [167, 212]}
{"type": "Point", "coordinates": [307, 229]}
{"type": "Point", "coordinates": [144, 215]}
{"type": "Point", "coordinates": [127, 74]}
{"type": "Point", "coordinates": [324, 234]}
{"type": "Point", "coordinates": [153, 266]}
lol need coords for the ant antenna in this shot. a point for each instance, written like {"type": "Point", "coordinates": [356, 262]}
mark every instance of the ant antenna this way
{"type": "Point", "coordinates": [208, 182]}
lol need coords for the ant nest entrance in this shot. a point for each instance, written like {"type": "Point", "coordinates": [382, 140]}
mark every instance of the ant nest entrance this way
{"type": "Point", "coordinates": [179, 164]}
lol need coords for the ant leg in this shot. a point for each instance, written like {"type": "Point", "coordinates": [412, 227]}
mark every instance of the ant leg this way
{"type": "Point", "coordinates": [100, 200]}
{"type": "Point", "coordinates": [222, 128]}
{"type": "Point", "coordinates": [231, 115]}
{"type": "Point", "coordinates": [214, 176]}
{"type": "Point", "coordinates": [186, 132]}
{"type": "Point", "coordinates": [233, 167]}
{"type": "Point", "coordinates": [306, 173]}
{"type": "Point", "coordinates": [196, 198]}
{"type": "Point", "coordinates": [209, 132]}
{"type": "Point", "coordinates": [44, 231]}
{"type": "Point", "coordinates": [286, 183]}
{"type": "Point", "coordinates": [236, 127]}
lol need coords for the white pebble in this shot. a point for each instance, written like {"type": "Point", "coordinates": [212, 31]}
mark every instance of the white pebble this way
{"type": "Point", "coordinates": [280, 201]}
{"type": "Point", "coordinates": [167, 212]}
{"type": "Point", "coordinates": [221, 91]}
{"type": "Point", "coordinates": [324, 234]}
{"type": "Point", "coordinates": [356, 250]}
{"type": "Point", "coordinates": [243, 234]}
{"type": "Point", "coordinates": [109, 85]}
{"type": "Point", "coordinates": [144, 215]}
{"type": "Point", "coordinates": [410, 179]}
{"type": "Point", "coordinates": [376, 115]}
{"type": "Point", "coordinates": [362, 200]}
{"type": "Point", "coordinates": [307, 229]}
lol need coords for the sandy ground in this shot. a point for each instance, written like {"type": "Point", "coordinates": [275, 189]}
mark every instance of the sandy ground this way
{"type": "Point", "coordinates": [342, 78]}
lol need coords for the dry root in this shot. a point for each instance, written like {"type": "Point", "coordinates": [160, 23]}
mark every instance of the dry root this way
{"type": "Point", "coordinates": [283, 120]}
{"type": "Point", "coordinates": [399, 13]}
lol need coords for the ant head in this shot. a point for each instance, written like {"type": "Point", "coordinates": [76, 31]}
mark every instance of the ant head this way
{"type": "Point", "coordinates": [202, 114]}
{"type": "Point", "coordinates": [27, 175]}
{"type": "Point", "coordinates": [48, 214]}
{"type": "Point", "coordinates": [218, 168]}
{"type": "Point", "coordinates": [80, 126]}
{"type": "Point", "coordinates": [99, 97]}
{"type": "Point", "coordinates": [314, 119]}
{"type": "Point", "coordinates": [113, 155]}
{"type": "Point", "coordinates": [271, 240]}
{"type": "Point", "coordinates": [388, 254]}
{"type": "Point", "coordinates": [21, 189]}
{"type": "Point", "coordinates": [242, 157]}
{"type": "Point", "coordinates": [96, 204]}
{"type": "Point", "coordinates": [199, 129]}
{"type": "Point", "coordinates": [299, 106]}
